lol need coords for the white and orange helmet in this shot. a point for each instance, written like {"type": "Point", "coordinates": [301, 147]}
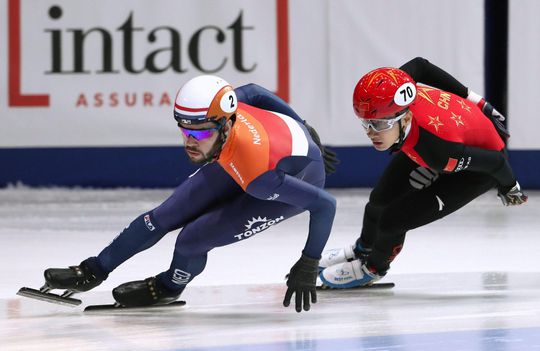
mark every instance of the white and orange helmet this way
{"type": "Point", "coordinates": [203, 99]}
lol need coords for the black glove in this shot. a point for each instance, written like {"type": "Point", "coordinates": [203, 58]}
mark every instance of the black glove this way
{"type": "Point", "coordinates": [301, 281]}
{"type": "Point", "coordinates": [512, 196]}
{"type": "Point", "coordinates": [329, 156]}
{"type": "Point", "coordinates": [330, 160]}
{"type": "Point", "coordinates": [496, 118]}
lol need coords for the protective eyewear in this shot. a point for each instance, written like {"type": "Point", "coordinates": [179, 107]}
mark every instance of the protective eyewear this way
{"type": "Point", "coordinates": [380, 125]}
{"type": "Point", "coordinates": [199, 134]}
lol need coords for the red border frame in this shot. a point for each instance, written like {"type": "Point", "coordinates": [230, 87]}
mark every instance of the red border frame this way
{"type": "Point", "coordinates": [283, 49]}
{"type": "Point", "coordinates": [17, 99]}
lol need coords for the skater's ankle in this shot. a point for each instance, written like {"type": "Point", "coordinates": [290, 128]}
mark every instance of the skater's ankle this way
{"type": "Point", "coordinates": [379, 272]}
{"type": "Point", "coordinates": [95, 267]}
{"type": "Point", "coordinates": [361, 250]}
{"type": "Point", "coordinates": [166, 289]}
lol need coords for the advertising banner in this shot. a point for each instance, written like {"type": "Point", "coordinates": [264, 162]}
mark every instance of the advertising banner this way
{"type": "Point", "coordinates": [101, 73]}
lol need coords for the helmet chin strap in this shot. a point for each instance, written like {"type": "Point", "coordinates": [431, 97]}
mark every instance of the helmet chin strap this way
{"type": "Point", "coordinates": [215, 151]}
{"type": "Point", "coordinates": [399, 142]}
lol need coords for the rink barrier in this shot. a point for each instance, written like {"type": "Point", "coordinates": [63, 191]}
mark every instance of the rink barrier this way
{"type": "Point", "coordinates": [166, 167]}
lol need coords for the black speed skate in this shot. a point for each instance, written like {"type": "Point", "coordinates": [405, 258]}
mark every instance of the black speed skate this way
{"type": "Point", "coordinates": [142, 293]}
{"type": "Point", "coordinates": [79, 278]}
{"type": "Point", "coordinates": [72, 280]}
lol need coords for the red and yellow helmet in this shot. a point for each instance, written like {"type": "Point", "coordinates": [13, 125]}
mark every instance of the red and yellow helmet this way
{"type": "Point", "coordinates": [383, 93]}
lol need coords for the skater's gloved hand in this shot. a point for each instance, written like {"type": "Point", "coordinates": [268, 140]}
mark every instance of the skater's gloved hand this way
{"type": "Point", "coordinates": [329, 157]}
{"type": "Point", "coordinates": [495, 116]}
{"type": "Point", "coordinates": [485, 106]}
{"type": "Point", "coordinates": [490, 111]}
{"type": "Point", "coordinates": [301, 281]}
{"type": "Point", "coordinates": [513, 196]}
{"type": "Point", "coordinates": [330, 160]}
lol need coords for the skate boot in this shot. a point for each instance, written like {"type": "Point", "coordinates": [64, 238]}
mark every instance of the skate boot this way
{"type": "Point", "coordinates": [72, 280]}
{"type": "Point", "coordinates": [344, 254]}
{"type": "Point", "coordinates": [79, 278]}
{"type": "Point", "coordinates": [349, 275]}
{"type": "Point", "coordinates": [146, 292]}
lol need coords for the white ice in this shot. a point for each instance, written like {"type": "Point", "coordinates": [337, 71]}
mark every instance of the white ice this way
{"type": "Point", "coordinates": [470, 281]}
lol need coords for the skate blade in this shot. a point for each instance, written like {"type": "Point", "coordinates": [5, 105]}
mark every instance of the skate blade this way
{"type": "Point", "coordinates": [111, 307]}
{"type": "Point", "coordinates": [48, 297]}
{"type": "Point", "coordinates": [374, 286]}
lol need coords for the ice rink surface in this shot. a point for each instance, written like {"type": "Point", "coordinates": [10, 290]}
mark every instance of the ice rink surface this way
{"type": "Point", "coordinates": [468, 282]}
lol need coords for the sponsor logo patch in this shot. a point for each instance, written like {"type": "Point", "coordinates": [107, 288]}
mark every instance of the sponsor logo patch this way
{"type": "Point", "coordinates": [454, 166]}
{"type": "Point", "coordinates": [181, 277]}
{"type": "Point", "coordinates": [252, 129]}
{"type": "Point", "coordinates": [462, 165]}
{"type": "Point", "coordinates": [440, 202]}
{"type": "Point", "coordinates": [451, 165]}
{"type": "Point", "coordinates": [273, 197]}
{"type": "Point", "coordinates": [256, 225]}
{"type": "Point", "coordinates": [233, 167]}
{"type": "Point", "coordinates": [148, 223]}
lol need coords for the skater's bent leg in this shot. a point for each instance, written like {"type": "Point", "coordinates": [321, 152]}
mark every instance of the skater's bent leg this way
{"type": "Point", "coordinates": [165, 287]}
{"type": "Point", "coordinates": [235, 221]}
{"type": "Point", "coordinates": [138, 236]}
{"type": "Point", "coordinates": [186, 265]}
{"type": "Point", "coordinates": [448, 194]}
{"type": "Point", "coordinates": [370, 222]}
{"type": "Point", "coordinates": [393, 184]}
{"type": "Point", "coordinates": [208, 186]}
{"type": "Point", "coordinates": [141, 234]}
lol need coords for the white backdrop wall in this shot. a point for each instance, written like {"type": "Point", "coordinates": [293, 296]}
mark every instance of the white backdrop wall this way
{"type": "Point", "coordinates": [368, 34]}
{"type": "Point", "coordinates": [331, 43]}
{"type": "Point", "coordinates": [523, 74]}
